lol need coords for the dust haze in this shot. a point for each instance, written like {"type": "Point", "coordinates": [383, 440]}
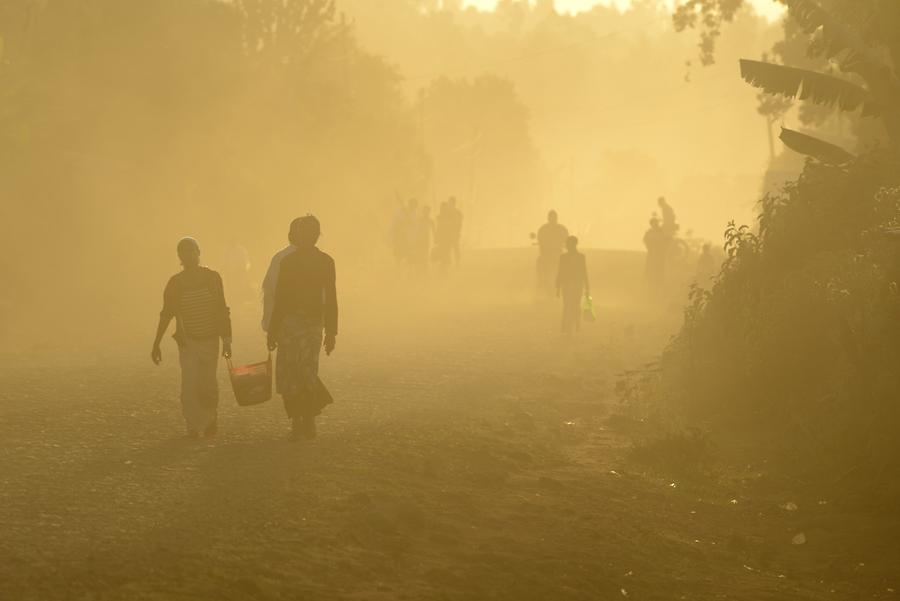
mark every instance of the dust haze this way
{"type": "Point", "coordinates": [596, 305]}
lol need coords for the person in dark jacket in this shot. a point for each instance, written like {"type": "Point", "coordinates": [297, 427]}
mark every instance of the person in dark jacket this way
{"type": "Point", "coordinates": [195, 298]}
{"type": "Point", "coordinates": [572, 284]}
{"type": "Point", "coordinates": [657, 244]}
{"type": "Point", "coordinates": [305, 305]}
{"type": "Point", "coordinates": [551, 241]}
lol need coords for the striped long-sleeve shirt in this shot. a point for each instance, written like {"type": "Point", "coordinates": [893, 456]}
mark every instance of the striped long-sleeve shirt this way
{"type": "Point", "coordinates": [196, 299]}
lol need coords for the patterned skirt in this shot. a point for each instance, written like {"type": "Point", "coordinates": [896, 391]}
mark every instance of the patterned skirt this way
{"type": "Point", "coordinates": [297, 367]}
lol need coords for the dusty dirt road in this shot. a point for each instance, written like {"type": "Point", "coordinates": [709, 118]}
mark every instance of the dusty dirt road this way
{"type": "Point", "coordinates": [472, 453]}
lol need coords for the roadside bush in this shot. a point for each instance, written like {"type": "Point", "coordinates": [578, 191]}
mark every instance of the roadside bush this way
{"type": "Point", "coordinates": [798, 340]}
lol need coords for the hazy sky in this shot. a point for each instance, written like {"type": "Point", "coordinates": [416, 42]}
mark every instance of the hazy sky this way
{"type": "Point", "coordinates": [770, 8]}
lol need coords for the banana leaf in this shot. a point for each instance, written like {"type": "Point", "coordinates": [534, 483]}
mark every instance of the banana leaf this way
{"type": "Point", "coordinates": [821, 150]}
{"type": "Point", "coordinates": [808, 85]}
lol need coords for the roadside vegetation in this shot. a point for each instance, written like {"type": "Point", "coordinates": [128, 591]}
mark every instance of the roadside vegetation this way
{"type": "Point", "coordinates": [792, 354]}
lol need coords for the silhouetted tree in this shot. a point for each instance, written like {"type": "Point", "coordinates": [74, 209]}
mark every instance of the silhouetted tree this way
{"type": "Point", "coordinates": [858, 36]}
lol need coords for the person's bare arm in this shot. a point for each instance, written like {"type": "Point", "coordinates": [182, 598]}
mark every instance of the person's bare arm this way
{"type": "Point", "coordinates": [156, 352]}
{"type": "Point", "coordinates": [331, 310]}
{"type": "Point", "coordinates": [275, 320]}
{"type": "Point", "coordinates": [165, 318]}
{"type": "Point", "coordinates": [224, 317]}
{"type": "Point", "coordinates": [280, 302]}
{"type": "Point", "coordinates": [268, 292]}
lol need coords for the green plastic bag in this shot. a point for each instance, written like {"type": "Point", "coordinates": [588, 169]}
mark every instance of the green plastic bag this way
{"type": "Point", "coordinates": [588, 313]}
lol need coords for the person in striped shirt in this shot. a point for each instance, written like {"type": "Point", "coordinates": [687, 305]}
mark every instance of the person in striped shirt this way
{"type": "Point", "coordinates": [195, 298]}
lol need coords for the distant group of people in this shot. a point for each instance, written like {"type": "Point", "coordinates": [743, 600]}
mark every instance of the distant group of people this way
{"type": "Point", "coordinates": [662, 243]}
{"type": "Point", "coordinates": [417, 238]}
{"type": "Point", "coordinates": [563, 268]}
{"type": "Point", "coordinates": [300, 310]}
{"type": "Point", "coordinates": [300, 317]}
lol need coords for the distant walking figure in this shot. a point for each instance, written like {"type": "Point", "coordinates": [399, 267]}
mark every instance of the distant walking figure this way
{"type": "Point", "coordinates": [706, 267]}
{"type": "Point", "coordinates": [454, 226]}
{"type": "Point", "coordinates": [447, 234]}
{"type": "Point", "coordinates": [305, 303]}
{"type": "Point", "coordinates": [195, 298]}
{"type": "Point", "coordinates": [422, 234]}
{"type": "Point", "coordinates": [402, 230]}
{"type": "Point", "coordinates": [572, 284]}
{"type": "Point", "coordinates": [657, 243]}
{"type": "Point", "coordinates": [669, 223]}
{"type": "Point", "coordinates": [551, 239]}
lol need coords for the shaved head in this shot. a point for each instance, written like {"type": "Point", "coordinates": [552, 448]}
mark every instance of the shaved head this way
{"type": "Point", "coordinates": [188, 243]}
{"type": "Point", "coordinates": [189, 251]}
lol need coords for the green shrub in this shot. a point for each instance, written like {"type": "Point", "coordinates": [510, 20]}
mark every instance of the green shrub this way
{"type": "Point", "coordinates": [799, 336]}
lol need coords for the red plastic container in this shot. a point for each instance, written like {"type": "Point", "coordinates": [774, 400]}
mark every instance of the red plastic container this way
{"type": "Point", "coordinates": [252, 384]}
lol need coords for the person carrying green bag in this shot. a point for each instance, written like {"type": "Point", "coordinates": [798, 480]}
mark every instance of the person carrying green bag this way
{"type": "Point", "coordinates": [588, 312]}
